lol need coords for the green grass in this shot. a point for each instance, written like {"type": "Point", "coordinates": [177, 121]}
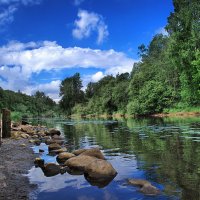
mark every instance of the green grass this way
{"type": "Point", "coordinates": [182, 109]}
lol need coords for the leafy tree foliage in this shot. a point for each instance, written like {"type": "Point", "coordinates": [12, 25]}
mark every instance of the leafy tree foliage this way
{"type": "Point", "coordinates": [37, 105]}
{"type": "Point", "coordinates": [71, 93]}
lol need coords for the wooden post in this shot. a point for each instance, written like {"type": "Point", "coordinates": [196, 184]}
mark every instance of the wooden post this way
{"type": "Point", "coordinates": [6, 123]}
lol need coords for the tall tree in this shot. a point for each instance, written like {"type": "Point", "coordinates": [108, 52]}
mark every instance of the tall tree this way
{"type": "Point", "coordinates": [71, 93]}
{"type": "Point", "coordinates": [184, 29]}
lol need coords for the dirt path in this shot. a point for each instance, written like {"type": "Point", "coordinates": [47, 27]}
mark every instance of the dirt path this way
{"type": "Point", "coordinates": [15, 161]}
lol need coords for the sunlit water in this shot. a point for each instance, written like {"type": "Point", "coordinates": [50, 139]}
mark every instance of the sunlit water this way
{"type": "Point", "coordinates": [165, 152]}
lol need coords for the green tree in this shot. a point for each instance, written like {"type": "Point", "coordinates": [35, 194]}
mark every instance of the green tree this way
{"type": "Point", "coordinates": [71, 93]}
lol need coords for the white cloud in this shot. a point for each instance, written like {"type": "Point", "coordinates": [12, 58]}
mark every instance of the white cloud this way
{"type": "Point", "coordinates": [88, 23]}
{"type": "Point", "coordinates": [162, 30]}
{"type": "Point", "coordinates": [10, 7]}
{"type": "Point", "coordinates": [96, 77]}
{"type": "Point", "coordinates": [19, 61]}
{"type": "Point", "coordinates": [78, 2]}
{"type": "Point", "coordinates": [6, 16]}
{"type": "Point", "coordinates": [23, 2]}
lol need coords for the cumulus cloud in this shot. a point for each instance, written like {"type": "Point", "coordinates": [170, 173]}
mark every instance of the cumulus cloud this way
{"type": "Point", "coordinates": [89, 23]}
{"type": "Point", "coordinates": [19, 61]}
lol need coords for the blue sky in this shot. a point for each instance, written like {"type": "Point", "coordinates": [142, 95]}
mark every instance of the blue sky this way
{"type": "Point", "coordinates": [44, 41]}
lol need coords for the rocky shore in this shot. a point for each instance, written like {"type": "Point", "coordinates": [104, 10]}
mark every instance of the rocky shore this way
{"type": "Point", "coordinates": [16, 158]}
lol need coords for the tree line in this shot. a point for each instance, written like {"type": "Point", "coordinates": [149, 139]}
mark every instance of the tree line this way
{"type": "Point", "coordinates": [168, 75]}
{"type": "Point", "coordinates": [21, 104]}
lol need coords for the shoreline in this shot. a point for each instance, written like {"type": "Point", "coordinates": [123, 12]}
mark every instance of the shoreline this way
{"type": "Point", "coordinates": [157, 115]}
{"type": "Point", "coordinates": [16, 159]}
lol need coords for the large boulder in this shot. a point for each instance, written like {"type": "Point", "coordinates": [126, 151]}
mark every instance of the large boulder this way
{"type": "Point", "coordinates": [51, 169]}
{"type": "Point", "coordinates": [100, 169]}
{"type": "Point", "coordinates": [95, 152]}
{"type": "Point", "coordinates": [54, 146]}
{"type": "Point", "coordinates": [62, 157]}
{"type": "Point", "coordinates": [78, 151]}
{"type": "Point", "coordinates": [146, 187]}
{"type": "Point", "coordinates": [79, 162]}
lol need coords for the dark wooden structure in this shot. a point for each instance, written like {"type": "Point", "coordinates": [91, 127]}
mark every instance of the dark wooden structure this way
{"type": "Point", "coordinates": [6, 123]}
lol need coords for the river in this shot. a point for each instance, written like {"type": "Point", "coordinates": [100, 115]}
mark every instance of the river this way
{"type": "Point", "coordinates": [165, 152]}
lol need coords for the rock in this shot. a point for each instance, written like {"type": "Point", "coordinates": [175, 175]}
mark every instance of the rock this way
{"type": "Point", "coordinates": [34, 136]}
{"type": "Point", "coordinates": [22, 145]}
{"type": "Point", "coordinates": [24, 135]}
{"type": "Point", "coordinates": [15, 135]}
{"type": "Point", "coordinates": [37, 142]}
{"type": "Point", "coordinates": [59, 150]}
{"type": "Point", "coordinates": [50, 141]}
{"type": "Point", "coordinates": [41, 133]}
{"type": "Point", "coordinates": [138, 182]}
{"type": "Point", "coordinates": [78, 152]}
{"type": "Point", "coordinates": [149, 189]}
{"type": "Point", "coordinates": [62, 157]}
{"type": "Point", "coordinates": [51, 169]}
{"type": "Point", "coordinates": [95, 152]}
{"type": "Point", "coordinates": [60, 142]}
{"type": "Point", "coordinates": [27, 129]}
{"type": "Point", "coordinates": [146, 186]}
{"type": "Point", "coordinates": [63, 170]}
{"type": "Point", "coordinates": [99, 182]}
{"type": "Point", "coordinates": [57, 137]}
{"type": "Point", "coordinates": [100, 169]}
{"type": "Point", "coordinates": [79, 162]}
{"type": "Point", "coordinates": [31, 141]}
{"type": "Point", "coordinates": [54, 132]}
{"type": "Point", "coordinates": [54, 146]}
{"type": "Point", "coordinates": [39, 162]}
{"type": "Point", "coordinates": [15, 124]}
{"type": "Point", "coordinates": [41, 150]}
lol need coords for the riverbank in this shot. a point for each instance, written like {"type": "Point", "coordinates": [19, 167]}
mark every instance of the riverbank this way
{"type": "Point", "coordinates": [159, 115]}
{"type": "Point", "coordinates": [16, 158]}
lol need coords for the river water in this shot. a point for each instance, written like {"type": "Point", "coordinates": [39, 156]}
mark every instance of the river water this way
{"type": "Point", "coordinates": [165, 152]}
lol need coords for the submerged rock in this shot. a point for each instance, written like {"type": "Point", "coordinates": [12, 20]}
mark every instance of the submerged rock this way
{"type": "Point", "coordinates": [146, 187]}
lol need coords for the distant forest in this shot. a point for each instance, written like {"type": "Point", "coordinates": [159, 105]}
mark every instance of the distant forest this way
{"type": "Point", "coordinates": [166, 78]}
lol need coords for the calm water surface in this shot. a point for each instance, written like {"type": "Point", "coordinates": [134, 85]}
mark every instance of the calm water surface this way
{"type": "Point", "coordinates": [165, 152]}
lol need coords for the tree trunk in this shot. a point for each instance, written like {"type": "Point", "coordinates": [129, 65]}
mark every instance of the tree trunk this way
{"type": "Point", "coordinates": [6, 123]}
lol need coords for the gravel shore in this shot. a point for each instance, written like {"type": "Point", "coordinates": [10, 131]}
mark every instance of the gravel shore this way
{"type": "Point", "coordinates": [16, 158]}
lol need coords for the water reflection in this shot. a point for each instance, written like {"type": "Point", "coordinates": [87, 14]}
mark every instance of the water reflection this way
{"type": "Point", "coordinates": [164, 151]}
